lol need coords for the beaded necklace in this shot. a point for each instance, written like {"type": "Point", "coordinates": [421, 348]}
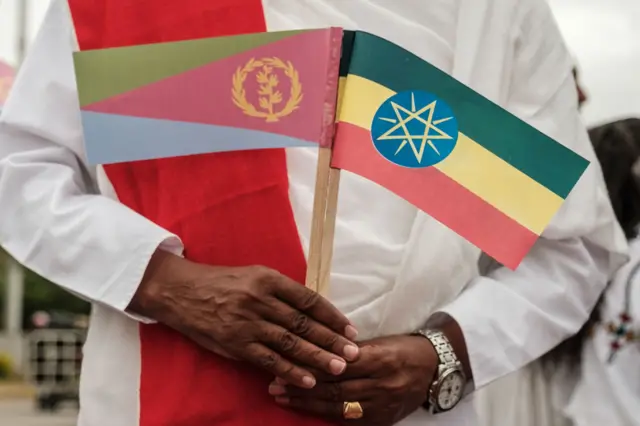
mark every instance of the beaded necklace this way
{"type": "Point", "coordinates": [620, 331]}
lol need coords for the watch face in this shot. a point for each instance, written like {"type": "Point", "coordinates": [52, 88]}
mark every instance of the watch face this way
{"type": "Point", "coordinates": [451, 390]}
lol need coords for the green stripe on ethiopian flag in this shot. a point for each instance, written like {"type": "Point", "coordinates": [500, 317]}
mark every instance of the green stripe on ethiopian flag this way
{"type": "Point", "coordinates": [506, 136]}
{"type": "Point", "coordinates": [500, 206]}
{"type": "Point", "coordinates": [268, 90]}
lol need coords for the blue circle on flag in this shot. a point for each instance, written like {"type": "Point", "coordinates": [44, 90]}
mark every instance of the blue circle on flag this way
{"type": "Point", "coordinates": [414, 129]}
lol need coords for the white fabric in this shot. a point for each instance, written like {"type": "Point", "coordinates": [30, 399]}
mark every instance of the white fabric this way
{"type": "Point", "coordinates": [528, 397]}
{"type": "Point", "coordinates": [388, 276]}
{"type": "Point", "coordinates": [601, 394]}
{"type": "Point", "coordinates": [610, 393]}
{"type": "Point", "coordinates": [553, 290]}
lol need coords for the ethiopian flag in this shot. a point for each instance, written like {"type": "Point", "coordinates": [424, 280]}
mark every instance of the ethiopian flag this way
{"type": "Point", "coordinates": [457, 156]}
{"type": "Point", "coordinates": [254, 91]}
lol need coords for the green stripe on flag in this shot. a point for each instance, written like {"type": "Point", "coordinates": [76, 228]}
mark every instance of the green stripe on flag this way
{"type": "Point", "coordinates": [348, 37]}
{"type": "Point", "coordinates": [525, 148]}
{"type": "Point", "coordinates": [104, 73]}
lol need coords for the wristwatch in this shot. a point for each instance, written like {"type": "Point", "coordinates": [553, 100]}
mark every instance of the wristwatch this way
{"type": "Point", "coordinates": [448, 387]}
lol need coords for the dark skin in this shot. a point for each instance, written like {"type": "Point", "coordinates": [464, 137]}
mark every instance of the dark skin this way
{"type": "Point", "coordinates": [257, 315]}
{"type": "Point", "coordinates": [260, 316]}
{"type": "Point", "coordinates": [251, 313]}
{"type": "Point", "coordinates": [392, 377]}
{"type": "Point", "coordinates": [390, 380]}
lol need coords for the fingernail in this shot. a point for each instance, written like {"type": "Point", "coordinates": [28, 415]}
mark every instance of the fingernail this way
{"type": "Point", "coordinates": [308, 382]}
{"type": "Point", "coordinates": [282, 400]}
{"type": "Point", "coordinates": [337, 366]}
{"type": "Point", "coordinates": [351, 352]}
{"type": "Point", "coordinates": [276, 390]}
{"type": "Point", "coordinates": [350, 332]}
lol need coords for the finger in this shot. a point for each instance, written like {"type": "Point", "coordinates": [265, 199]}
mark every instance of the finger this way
{"type": "Point", "coordinates": [372, 362]}
{"type": "Point", "coordinates": [359, 370]}
{"type": "Point", "coordinates": [270, 361]}
{"type": "Point", "coordinates": [314, 305]}
{"type": "Point", "coordinates": [320, 376]}
{"type": "Point", "coordinates": [302, 325]}
{"type": "Point", "coordinates": [299, 350]}
{"type": "Point", "coordinates": [350, 390]}
{"type": "Point", "coordinates": [326, 409]}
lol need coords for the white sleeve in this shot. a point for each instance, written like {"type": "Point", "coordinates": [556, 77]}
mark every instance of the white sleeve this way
{"type": "Point", "coordinates": [510, 318]}
{"type": "Point", "coordinates": [52, 219]}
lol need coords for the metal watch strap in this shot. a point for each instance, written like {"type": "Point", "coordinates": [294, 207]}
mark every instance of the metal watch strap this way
{"type": "Point", "coordinates": [442, 346]}
{"type": "Point", "coordinates": [447, 360]}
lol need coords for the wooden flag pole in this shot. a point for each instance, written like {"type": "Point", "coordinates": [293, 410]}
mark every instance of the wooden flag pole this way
{"type": "Point", "coordinates": [325, 205]}
{"type": "Point", "coordinates": [329, 232]}
{"type": "Point", "coordinates": [318, 219]}
{"type": "Point", "coordinates": [324, 210]}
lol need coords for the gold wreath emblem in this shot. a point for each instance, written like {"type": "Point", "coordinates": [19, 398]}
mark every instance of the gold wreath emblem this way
{"type": "Point", "coordinates": [269, 95]}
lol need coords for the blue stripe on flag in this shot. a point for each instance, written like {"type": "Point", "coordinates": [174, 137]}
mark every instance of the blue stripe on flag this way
{"type": "Point", "coordinates": [111, 138]}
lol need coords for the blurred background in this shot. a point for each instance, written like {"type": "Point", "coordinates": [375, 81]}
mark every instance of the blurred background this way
{"type": "Point", "coordinates": [38, 321]}
{"type": "Point", "coordinates": [41, 327]}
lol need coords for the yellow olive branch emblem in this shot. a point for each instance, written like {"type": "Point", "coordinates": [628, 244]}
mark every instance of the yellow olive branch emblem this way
{"type": "Point", "coordinates": [270, 96]}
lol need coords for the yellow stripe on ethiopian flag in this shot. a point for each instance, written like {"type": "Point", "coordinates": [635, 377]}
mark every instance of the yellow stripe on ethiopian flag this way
{"type": "Point", "coordinates": [454, 154]}
{"type": "Point", "coordinates": [472, 166]}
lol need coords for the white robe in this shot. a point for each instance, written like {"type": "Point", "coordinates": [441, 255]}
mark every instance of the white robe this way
{"type": "Point", "coordinates": [61, 218]}
{"type": "Point", "coordinates": [528, 397]}
{"type": "Point", "coordinates": [602, 393]}
{"type": "Point", "coordinates": [609, 393]}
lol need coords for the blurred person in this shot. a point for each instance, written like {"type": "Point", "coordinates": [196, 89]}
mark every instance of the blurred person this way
{"type": "Point", "coordinates": [606, 353]}
{"type": "Point", "coordinates": [200, 339]}
{"type": "Point", "coordinates": [617, 146]}
{"type": "Point", "coordinates": [556, 390]}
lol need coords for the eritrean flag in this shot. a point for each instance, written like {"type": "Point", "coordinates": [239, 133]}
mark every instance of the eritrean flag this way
{"type": "Point", "coordinates": [254, 91]}
{"type": "Point", "coordinates": [454, 154]}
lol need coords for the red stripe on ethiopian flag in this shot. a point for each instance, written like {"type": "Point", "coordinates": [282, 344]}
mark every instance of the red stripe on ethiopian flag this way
{"type": "Point", "coordinates": [449, 202]}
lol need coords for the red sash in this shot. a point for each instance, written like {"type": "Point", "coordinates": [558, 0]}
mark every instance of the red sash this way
{"type": "Point", "coordinates": [229, 209]}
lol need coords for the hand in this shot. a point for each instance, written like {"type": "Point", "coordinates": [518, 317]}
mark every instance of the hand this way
{"type": "Point", "coordinates": [390, 380]}
{"type": "Point", "coordinates": [248, 313]}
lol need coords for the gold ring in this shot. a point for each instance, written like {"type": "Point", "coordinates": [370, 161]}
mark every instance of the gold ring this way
{"type": "Point", "coordinates": [352, 410]}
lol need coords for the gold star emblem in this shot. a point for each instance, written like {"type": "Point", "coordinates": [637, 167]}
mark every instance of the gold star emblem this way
{"type": "Point", "coordinates": [417, 143]}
